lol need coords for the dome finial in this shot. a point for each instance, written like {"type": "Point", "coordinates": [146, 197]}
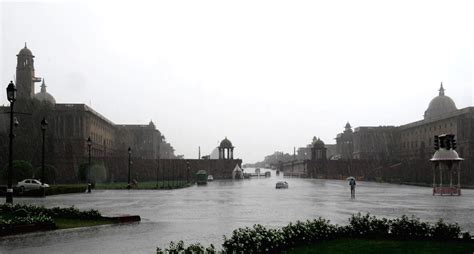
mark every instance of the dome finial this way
{"type": "Point", "coordinates": [25, 45]}
{"type": "Point", "coordinates": [348, 125]}
{"type": "Point", "coordinates": [441, 90]}
{"type": "Point", "coordinates": [43, 87]}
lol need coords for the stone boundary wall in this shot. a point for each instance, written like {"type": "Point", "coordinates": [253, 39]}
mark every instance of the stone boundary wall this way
{"type": "Point", "coordinates": [410, 171]}
{"type": "Point", "coordinates": [116, 169]}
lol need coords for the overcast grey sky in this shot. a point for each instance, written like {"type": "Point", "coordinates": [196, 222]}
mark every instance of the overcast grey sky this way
{"type": "Point", "coordinates": [269, 75]}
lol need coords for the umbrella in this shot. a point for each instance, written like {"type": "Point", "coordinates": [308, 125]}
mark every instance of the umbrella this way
{"type": "Point", "coordinates": [350, 178]}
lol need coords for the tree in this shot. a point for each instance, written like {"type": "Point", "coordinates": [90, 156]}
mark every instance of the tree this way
{"type": "Point", "coordinates": [97, 173]}
{"type": "Point", "coordinates": [21, 170]}
{"type": "Point", "coordinates": [49, 173]}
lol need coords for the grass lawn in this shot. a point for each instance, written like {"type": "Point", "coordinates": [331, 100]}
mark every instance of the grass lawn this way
{"type": "Point", "coordinates": [63, 223]}
{"type": "Point", "coordinates": [349, 246]}
{"type": "Point", "coordinates": [143, 185]}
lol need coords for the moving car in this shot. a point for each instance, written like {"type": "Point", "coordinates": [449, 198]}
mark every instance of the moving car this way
{"type": "Point", "coordinates": [282, 185]}
{"type": "Point", "coordinates": [30, 184]}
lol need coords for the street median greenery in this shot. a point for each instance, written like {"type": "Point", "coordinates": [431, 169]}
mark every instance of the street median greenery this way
{"type": "Point", "coordinates": [152, 185]}
{"type": "Point", "coordinates": [259, 239]}
{"type": "Point", "coordinates": [19, 215]}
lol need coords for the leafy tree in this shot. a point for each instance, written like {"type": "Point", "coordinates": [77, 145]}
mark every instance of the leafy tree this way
{"type": "Point", "coordinates": [21, 170]}
{"type": "Point", "coordinates": [49, 173]}
{"type": "Point", "coordinates": [97, 173]}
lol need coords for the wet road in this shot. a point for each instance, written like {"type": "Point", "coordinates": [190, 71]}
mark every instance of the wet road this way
{"type": "Point", "coordinates": [205, 214]}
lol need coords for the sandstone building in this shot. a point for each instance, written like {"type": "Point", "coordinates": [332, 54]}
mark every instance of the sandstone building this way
{"type": "Point", "coordinates": [413, 140]}
{"type": "Point", "coordinates": [70, 125]}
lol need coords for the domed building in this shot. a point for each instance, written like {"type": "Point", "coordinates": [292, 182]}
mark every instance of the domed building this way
{"type": "Point", "coordinates": [441, 117]}
{"type": "Point", "coordinates": [77, 131]}
{"type": "Point", "coordinates": [45, 96]}
{"type": "Point", "coordinates": [440, 105]}
{"type": "Point", "coordinates": [412, 140]}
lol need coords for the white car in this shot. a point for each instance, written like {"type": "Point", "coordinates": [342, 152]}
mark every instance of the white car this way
{"type": "Point", "coordinates": [31, 184]}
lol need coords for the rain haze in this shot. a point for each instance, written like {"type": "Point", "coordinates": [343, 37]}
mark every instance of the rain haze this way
{"type": "Point", "coordinates": [128, 125]}
{"type": "Point", "coordinates": [269, 75]}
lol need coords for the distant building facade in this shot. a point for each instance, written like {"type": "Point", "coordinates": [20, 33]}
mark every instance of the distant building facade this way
{"type": "Point", "coordinates": [375, 143]}
{"type": "Point", "coordinates": [345, 143]}
{"type": "Point", "coordinates": [70, 125]}
{"type": "Point", "coordinates": [412, 140]}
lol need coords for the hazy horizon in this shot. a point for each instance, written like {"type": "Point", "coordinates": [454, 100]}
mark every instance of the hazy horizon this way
{"type": "Point", "coordinates": [268, 75]}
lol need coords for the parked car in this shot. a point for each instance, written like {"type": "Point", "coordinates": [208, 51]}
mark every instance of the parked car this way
{"type": "Point", "coordinates": [30, 184]}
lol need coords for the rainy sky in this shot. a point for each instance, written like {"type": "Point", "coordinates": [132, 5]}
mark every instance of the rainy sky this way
{"type": "Point", "coordinates": [269, 75]}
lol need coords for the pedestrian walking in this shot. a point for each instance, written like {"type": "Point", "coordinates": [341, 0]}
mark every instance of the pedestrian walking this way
{"type": "Point", "coordinates": [352, 183]}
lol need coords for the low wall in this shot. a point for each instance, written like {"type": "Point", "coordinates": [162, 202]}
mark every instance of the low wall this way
{"type": "Point", "coordinates": [116, 169]}
{"type": "Point", "coordinates": [411, 171]}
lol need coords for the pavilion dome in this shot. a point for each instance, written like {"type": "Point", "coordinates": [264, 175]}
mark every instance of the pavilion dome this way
{"type": "Point", "coordinates": [226, 143]}
{"type": "Point", "coordinates": [45, 96]}
{"type": "Point", "coordinates": [440, 105]}
{"type": "Point", "coordinates": [318, 143]}
{"type": "Point", "coordinates": [25, 51]}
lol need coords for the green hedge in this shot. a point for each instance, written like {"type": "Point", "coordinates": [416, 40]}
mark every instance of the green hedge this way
{"type": "Point", "coordinates": [65, 189]}
{"type": "Point", "coordinates": [259, 239]}
{"type": "Point", "coordinates": [55, 212]}
{"type": "Point", "coordinates": [29, 219]}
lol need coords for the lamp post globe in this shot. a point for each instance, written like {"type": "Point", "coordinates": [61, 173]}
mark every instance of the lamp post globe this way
{"type": "Point", "coordinates": [11, 96]}
{"type": "Point", "coordinates": [89, 145]}
{"type": "Point", "coordinates": [129, 162]}
{"type": "Point", "coordinates": [44, 126]}
{"type": "Point", "coordinates": [11, 92]}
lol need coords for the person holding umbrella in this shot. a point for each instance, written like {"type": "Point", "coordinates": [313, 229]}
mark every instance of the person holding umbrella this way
{"type": "Point", "coordinates": [352, 183]}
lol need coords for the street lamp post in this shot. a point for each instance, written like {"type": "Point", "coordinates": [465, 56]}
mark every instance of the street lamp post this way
{"type": "Point", "coordinates": [158, 172]}
{"type": "Point", "coordinates": [44, 126]}
{"type": "Point", "coordinates": [89, 145]}
{"type": "Point", "coordinates": [11, 96]}
{"type": "Point", "coordinates": [187, 173]}
{"type": "Point", "coordinates": [129, 162]}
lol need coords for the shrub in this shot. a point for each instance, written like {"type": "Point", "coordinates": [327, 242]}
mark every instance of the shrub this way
{"type": "Point", "coordinates": [30, 219]}
{"type": "Point", "coordinates": [55, 212]}
{"type": "Point", "coordinates": [368, 226]}
{"type": "Point", "coordinates": [320, 229]}
{"type": "Point", "coordinates": [259, 239]}
{"type": "Point", "coordinates": [179, 247]}
{"type": "Point", "coordinates": [63, 189]}
{"type": "Point", "coordinates": [409, 228]}
{"type": "Point", "coordinates": [443, 231]}
{"type": "Point", "coordinates": [466, 236]}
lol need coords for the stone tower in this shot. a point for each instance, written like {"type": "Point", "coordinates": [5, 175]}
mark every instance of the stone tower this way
{"type": "Point", "coordinates": [25, 74]}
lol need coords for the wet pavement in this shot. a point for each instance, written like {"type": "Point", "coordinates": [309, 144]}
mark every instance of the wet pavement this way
{"type": "Point", "coordinates": [206, 213]}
